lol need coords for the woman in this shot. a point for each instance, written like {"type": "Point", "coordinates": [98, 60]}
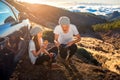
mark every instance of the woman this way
{"type": "Point", "coordinates": [37, 50]}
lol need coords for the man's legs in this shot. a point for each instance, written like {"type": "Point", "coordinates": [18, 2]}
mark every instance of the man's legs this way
{"type": "Point", "coordinates": [63, 51]}
{"type": "Point", "coordinates": [67, 52]}
{"type": "Point", "coordinates": [73, 49]}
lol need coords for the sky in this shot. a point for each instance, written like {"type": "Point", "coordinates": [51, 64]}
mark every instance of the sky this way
{"type": "Point", "coordinates": [89, 1]}
{"type": "Point", "coordinates": [78, 1]}
{"type": "Point", "coordinates": [68, 3]}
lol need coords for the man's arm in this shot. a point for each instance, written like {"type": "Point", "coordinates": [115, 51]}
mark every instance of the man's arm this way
{"type": "Point", "coordinates": [77, 39]}
{"type": "Point", "coordinates": [56, 40]}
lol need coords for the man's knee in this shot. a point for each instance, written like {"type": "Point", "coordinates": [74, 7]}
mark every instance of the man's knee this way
{"type": "Point", "coordinates": [73, 48]}
{"type": "Point", "coordinates": [63, 51]}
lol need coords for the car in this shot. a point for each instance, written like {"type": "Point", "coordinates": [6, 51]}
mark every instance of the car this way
{"type": "Point", "coordinates": [14, 36]}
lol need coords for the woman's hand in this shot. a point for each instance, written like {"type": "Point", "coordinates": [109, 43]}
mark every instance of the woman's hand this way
{"type": "Point", "coordinates": [45, 44]}
{"type": "Point", "coordinates": [51, 55]}
{"type": "Point", "coordinates": [44, 51]}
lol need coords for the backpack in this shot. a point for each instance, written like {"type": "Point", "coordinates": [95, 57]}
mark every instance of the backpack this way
{"type": "Point", "coordinates": [6, 63]}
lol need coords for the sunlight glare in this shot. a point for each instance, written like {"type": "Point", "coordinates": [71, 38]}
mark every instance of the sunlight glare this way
{"type": "Point", "coordinates": [31, 1]}
{"type": "Point", "coordinates": [52, 3]}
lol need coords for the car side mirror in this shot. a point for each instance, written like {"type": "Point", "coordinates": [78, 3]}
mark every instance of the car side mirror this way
{"type": "Point", "coordinates": [10, 19]}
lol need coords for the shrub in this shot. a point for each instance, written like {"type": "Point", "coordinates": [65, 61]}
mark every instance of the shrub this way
{"type": "Point", "coordinates": [107, 26]}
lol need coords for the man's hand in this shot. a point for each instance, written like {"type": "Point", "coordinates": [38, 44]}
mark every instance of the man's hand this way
{"type": "Point", "coordinates": [56, 43]}
{"type": "Point", "coordinates": [70, 43]}
{"type": "Point", "coordinates": [56, 40]}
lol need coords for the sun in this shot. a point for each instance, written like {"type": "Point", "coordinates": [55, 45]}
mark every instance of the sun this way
{"type": "Point", "coordinates": [40, 2]}
{"type": "Point", "coordinates": [31, 1]}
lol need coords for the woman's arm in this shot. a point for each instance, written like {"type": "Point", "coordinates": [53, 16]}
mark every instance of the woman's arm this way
{"type": "Point", "coordinates": [43, 50]}
{"type": "Point", "coordinates": [36, 53]}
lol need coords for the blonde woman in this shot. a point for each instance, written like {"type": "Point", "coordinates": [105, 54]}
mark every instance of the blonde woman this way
{"type": "Point", "coordinates": [37, 48]}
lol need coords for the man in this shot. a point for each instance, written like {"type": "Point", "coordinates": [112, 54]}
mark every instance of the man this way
{"type": "Point", "coordinates": [64, 33]}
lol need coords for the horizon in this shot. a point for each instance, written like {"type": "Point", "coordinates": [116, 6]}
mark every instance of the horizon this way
{"type": "Point", "coordinates": [66, 3]}
{"type": "Point", "coordinates": [74, 5]}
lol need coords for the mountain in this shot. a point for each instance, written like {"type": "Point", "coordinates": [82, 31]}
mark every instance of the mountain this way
{"type": "Point", "coordinates": [113, 16]}
{"type": "Point", "coordinates": [49, 15]}
{"type": "Point", "coordinates": [114, 19]}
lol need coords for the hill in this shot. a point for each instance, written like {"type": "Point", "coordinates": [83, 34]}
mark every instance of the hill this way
{"type": "Point", "coordinates": [49, 15]}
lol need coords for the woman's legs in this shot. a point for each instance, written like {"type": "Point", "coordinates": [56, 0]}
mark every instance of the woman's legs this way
{"type": "Point", "coordinates": [42, 59]}
{"type": "Point", "coordinates": [53, 50]}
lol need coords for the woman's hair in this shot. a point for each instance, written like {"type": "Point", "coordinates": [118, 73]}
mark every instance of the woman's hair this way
{"type": "Point", "coordinates": [37, 46]}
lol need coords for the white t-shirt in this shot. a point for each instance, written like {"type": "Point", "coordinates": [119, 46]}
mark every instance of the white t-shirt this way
{"type": "Point", "coordinates": [31, 48]}
{"type": "Point", "coordinates": [64, 38]}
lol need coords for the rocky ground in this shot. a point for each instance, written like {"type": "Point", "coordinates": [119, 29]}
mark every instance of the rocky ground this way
{"type": "Point", "coordinates": [83, 68]}
{"type": "Point", "coordinates": [104, 52]}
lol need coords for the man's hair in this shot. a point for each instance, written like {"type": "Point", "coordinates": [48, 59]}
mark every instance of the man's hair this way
{"type": "Point", "coordinates": [64, 20]}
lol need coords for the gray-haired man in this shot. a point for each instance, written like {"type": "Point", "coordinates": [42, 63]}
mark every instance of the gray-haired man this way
{"type": "Point", "coordinates": [64, 33]}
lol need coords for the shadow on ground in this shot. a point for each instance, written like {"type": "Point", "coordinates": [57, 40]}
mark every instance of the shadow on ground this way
{"type": "Point", "coordinates": [79, 70]}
